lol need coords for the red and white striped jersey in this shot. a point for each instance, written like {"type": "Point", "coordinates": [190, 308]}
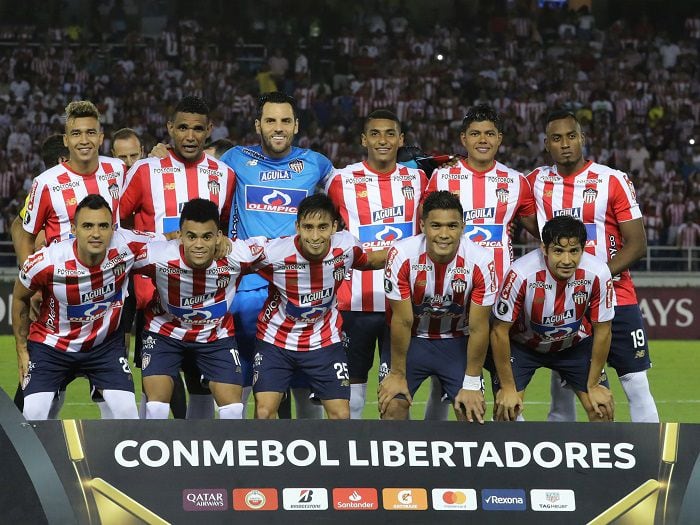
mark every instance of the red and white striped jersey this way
{"type": "Point", "coordinates": [301, 312]}
{"type": "Point", "coordinates": [81, 305]}
{"type": "Point", "coordinates": [157, 189]}
{"type": "Point", "coordinates": [56, 193]}
{"type": "Point", "coordinates": [193, 304]}
{"type": "Point", "coordinates": [491, 200]}
{"type": "Point", "coordinates": [599, 196]}
{"type": "Point", "coordinates": [550, 315]}
{"type": "Point", "coordinates": [378, 209]}
{"type": "Point", "coordinates": [440, 293]}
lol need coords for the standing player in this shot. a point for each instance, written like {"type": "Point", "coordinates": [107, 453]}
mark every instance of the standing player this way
{"type": "Point", "coordinates": [378, 200]}
{"type": "Point", "coordinates": [83, 282]}
{"type": "Point", "coordinates": [127, 147]}
{"type": "Point", "coordinates": [155, 192]}
{"type": "Point", "coordinates": [273, 178]}
{"type": "Point", "coordinates": [604, 199]}
{"type": "Point", "coordinates": [190, 311]}
{"type": "Point", "coordinates": [440, 287]}
{"type": "Point", "coordinates": [492, 195]}
{"type": "Point", "coordinates": [553, 299]}
{"type": "Point", "coordinates": [299, 328]}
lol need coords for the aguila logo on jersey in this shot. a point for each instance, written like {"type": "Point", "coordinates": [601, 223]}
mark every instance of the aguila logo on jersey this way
{"type": "Point", "coordinates": [266, 176]}
{"type": "Point", "coordinates": [386, 213]}
{"type": "Point", "coordinates": [558, 318]}
{"type": "Point", "coordinates": [589, 195]}
{"type": "Point", "coordinates": [214, 187]}
{"type": "Point", "coordinates": [573, 212]}
{"type": "Point", "coordinates": [459, 286]}
{"type": "Point", "coordinates": [98, 292]}
{"type": "Point", "coordinates": [479, 213]}
{"type": "Point", "coordinates": [339, 274]}
{"type": "Point", "coordinates": [580, 297]}
{"type": "Point", "coordinates": [320, 295]}
{"type": "Point", "coordinates": [408, 192]}
{"type": "Point", "coordinates": [114, 190]}
{"type": "Point", "coordinates": [196, 299]}
{"type": "Point", "coordinates": [296, 165]}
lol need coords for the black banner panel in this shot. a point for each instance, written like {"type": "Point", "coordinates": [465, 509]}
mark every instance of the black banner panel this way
{"type": "Point", "coordinates": [120, 472]}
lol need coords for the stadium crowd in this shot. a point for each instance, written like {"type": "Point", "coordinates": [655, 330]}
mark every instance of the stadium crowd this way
{"type": "Point", "coordinates": [633, 85]}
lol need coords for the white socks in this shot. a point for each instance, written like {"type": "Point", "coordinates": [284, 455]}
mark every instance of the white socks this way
{"type": "Point", "coordinates": [563, 404]}
{"type": "Point", "coordinates": [232, 411]}
{"type": "Point", "coordinates": [122, 404]}
{"type": "Point", "coordinates": [200, 406]}
{"type": "Point", "coordinates": [358, 396]}
{"type": "Point", "coordinates": [57, 404]}
{"type": "Point", "coordinates": [105, 411]}
{"type": "Point", "coordinates": [157, 410]}
{"type": "Point", "coordinates": [436, 409]}
{"type": "Point", "coordinates": [305, 408]}
{"type": "Point", "coordinates": [642, 405]}
{"type": "Point", "coordinates": [37, 406]}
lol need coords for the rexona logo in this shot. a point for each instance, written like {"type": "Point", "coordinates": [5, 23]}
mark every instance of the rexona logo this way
{"type": "Point", "coordinates": [194, 500]}
{"type": "Point", "coordinates": [305, 499]}
{"type": "Point", "coordinates": [405, 499]}
{"type": "Point", "coordinates": [255, 499]}
{"type": "Point", "coordinates": [355, 499]}
{"type": "Point", "coordinates": [503, 499]}
{"type": "Point", "coordinates": [454, 499]}
{"type": "Point", "coordinates": [552, 500]}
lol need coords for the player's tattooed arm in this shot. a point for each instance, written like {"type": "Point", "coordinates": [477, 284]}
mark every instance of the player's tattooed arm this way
{"type": "Point", "coordinates": [21, 297]}
{"type": "Point", "coordinates": [395, 382]}
{"type": "Point", "coordinates": [633, 249]}
{"type": "Point", "coordinates": [508, 403]}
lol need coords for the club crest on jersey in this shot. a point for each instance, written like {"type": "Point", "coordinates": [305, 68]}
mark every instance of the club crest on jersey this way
{"type": "Point", "coordinates": [487, 235]}
{"type": "Point", "coordinates": [458, 286]}
{"type": "Point", "coordinates": [573, 212]}
{"type": "Point", "coordinates": [119, 269]}
{"type": "Point", "coordinates": [502, 195]}
{"type": "Point", "coordinates": [114, 190]}
{"type": "Point", "coordinates": [479, 213]}
{"type": "Point", "coordinates": [296, 165]}
{"type": "Point", "coordinates": [408, 192]}
{"type": "Point", "coordinates": [223, 281]}
{"type": "Point", "coordinates": [580, 297]}
{"type": "Point", "coordinates": [589, 195]}
{"type": "Point", "coordinates": [279, 200]}
{"type": "Point", "coordinates": [339, 274]}
{"type": "Point", "coordinates": [386, 213]}
{"type": "Point", "coordinates": [145, 360]}
{"type": "Point", "coordinates": [214, 187]}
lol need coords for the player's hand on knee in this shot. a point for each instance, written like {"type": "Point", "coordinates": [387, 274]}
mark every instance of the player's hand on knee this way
{"type": "Point", "coordinates": [602, 402]}
{"type": "Point", "coordinates": [471, 404]}
{"type": "Point", "coordinates": [391, 386]}
{"type": "Point", "coordinates": [22, 364]}
{"type": "Point", "coordinates": [160, 150]}
{"type": "Point", "coordinates": [508, 405]}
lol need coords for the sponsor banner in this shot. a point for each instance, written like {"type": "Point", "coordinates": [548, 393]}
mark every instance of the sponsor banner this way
{"type": "Point", "coordinates": [196, 500]}
{"type": "Point", "coordinates": [405, 499]}
{"type": "Point", "coordinates": [305, 499]}
{"type": "Point", "coordinates": [454, 499]}
{"type": "Point", "coordinates": [670, 313]}
{"type": "Point", "coordinates": [552, 500]}
{"type": "Point", "coordinates": [255, 499]}
{"type": "Point", "coordinates": [355, 499]}
{"type": "Point", "coordinates": [503, 499]}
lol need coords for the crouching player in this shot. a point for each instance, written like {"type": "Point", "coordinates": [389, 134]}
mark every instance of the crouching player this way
{"type": "Point", "coordinates": [299, 327]}
{"type": "Point", "coordinates": [440, 287]}
{"type": "Point", "coordinates": [83, 282]}
{"type": "Point", "coordinates": [553, 299]}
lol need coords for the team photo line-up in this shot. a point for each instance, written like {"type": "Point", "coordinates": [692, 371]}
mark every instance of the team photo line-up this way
{"type": "Point", "coordinates": [264, 269]}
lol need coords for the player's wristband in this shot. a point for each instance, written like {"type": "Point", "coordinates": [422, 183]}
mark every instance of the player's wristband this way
{"type": "Point", "coordinates": [471, 382]}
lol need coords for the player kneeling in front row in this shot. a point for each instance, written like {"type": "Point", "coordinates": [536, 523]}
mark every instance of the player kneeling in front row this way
{"type": "Point", "coordinates": [440, 287]}
{"type": "Point", "coordinates": [189, 311]}
{"type": "Point", "coordinates": [299, 327]}
{"type": "Point", "coordinates": [83, 283]}
{"type": "Point", "coordinates": [551, 301]}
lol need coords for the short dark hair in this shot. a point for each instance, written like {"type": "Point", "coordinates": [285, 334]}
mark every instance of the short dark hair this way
{"type": "Point", "coordinates": [559, 114]}
{"type": "Point", "coordinates": [200, 210]}
{"type": "Point", "coordinates": [125, 133]}
{"type": "Point", "coordinates": [316, 204]}
{"type": "Point", "coordinates": [220, 146]}
{"type": "Point", "coordinates": [191, 104]}
{"type": "Point", "coordinates": [93, 201]}
{"type": "Point", "coordinates": [441, 200]}
{"type": "Point", "coordinates": [563, 227]}
{"type": "Point", "coordinates": [382, 114]}
{"type": "Point", "coordinates": [480, 113]}
{"type": "Point", "coordinates": [276, 97]}
{"type": "Point", "coordinates": [53, 149]}
{"type": "Point", "coordinates": [81, 109]}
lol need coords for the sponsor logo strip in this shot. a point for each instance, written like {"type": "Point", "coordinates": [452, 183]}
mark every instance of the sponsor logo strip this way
{"type": "Point", "coordinates": [454, 499]}
{"type": "Point", "coordinates": [405, 499]}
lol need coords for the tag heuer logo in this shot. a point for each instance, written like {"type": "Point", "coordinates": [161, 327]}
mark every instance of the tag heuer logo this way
{"type": "Point", "coordinates": [297, 165]}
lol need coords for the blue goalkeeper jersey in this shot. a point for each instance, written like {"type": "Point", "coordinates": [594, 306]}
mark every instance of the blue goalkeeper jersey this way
{"type": "Point", "coordinates": [268, 193]}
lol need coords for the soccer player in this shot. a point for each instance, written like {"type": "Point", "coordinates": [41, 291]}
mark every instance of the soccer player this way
{"type": "Point", "coordinates": [604, 199]}
{"type": "Point", "coordinates": [56, 192]}
{"type": "Point", "coordinates": [273, 178]}
{"type": "Point", "coordinates": [190, 311]}
{"type": "Point", "coordinates": [378, 201]}
{"type": "Point", "coordinates": [127, 147]}
{"type": "Point", "coordinates": [299, 327]}
{"type": "Point", "coordinates": [83, 282]}
{"type": "Point", "coordinates": [492, 195]}
{"type": "Point", "coordinates": [552, 301]}
{"type": "Point", "coordinates": [156, 189]}
{"type": "Point", "coordinates": [440, 287]}
{"type": "Point", "coordinates": [218, 147]}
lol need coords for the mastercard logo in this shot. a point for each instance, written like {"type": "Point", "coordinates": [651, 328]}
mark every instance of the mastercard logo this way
{"type": "Point", "coordinates": [454, 497]}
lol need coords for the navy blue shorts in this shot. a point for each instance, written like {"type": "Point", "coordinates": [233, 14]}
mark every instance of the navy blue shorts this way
{"type": "Point", "coordinates": [104, 365]}
{"type": "Point", "coordinates": [444, 358]}
{"type": "Point", "coordinates": [218, 360]}
{"type": "Point", "coordinates": [572, 364]}
{"type": "Point", "coordinates": [326, 370]}
{"type": "Point", "coordinates": [364, 332]}
{"type": "Point", "coordinates": [629, 349]}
